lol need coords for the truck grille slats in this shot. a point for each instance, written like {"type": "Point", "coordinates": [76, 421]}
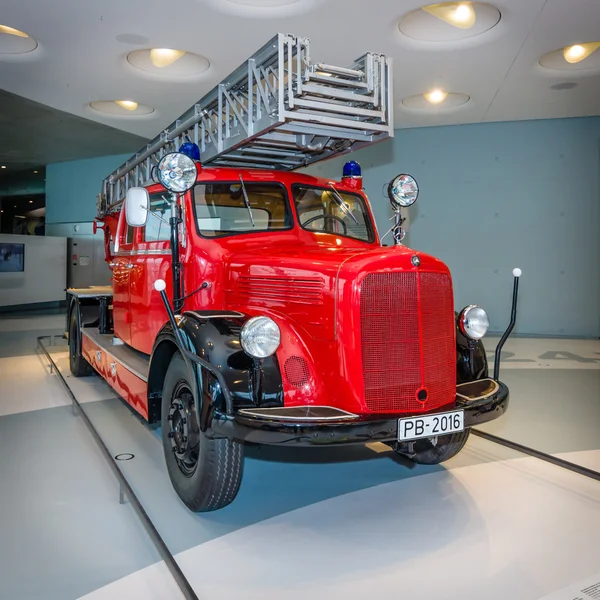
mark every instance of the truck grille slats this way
{"type": "Point", "coordinates": [408, 343]}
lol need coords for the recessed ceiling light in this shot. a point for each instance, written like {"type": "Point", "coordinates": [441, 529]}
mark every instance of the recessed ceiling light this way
{"type": "Point", "coordinates": [3, 167]}
{"type": "Point", "coordinates": [15, 41]}
{"type": "Point", "coordinates": [575, 57]}
{"type": "Point", "coordinates": [167, 62]}
{"type": "Point", "coordinates": [436, 100]}
{"type": "Point", "coordinates": [579, 52]}
{"type": "Point", "coordinates": [449, 21]}
{"type": "Point", "coordinates": [458, 14]}
{"type": "Point", "coordinates": [436, 96]}
{"type": "Point", "coordinates": [35, 171]}
{"type": "Point", "coordinates": [127, 104]}
{"type": "Point", "coordinates": [31, 202]}
{"type": "Point", "coordinates": [163, 57]}
{"type": "Point", "coordinates": [127, 108]}
{"type": "Point", "coordinates": [12, 31]}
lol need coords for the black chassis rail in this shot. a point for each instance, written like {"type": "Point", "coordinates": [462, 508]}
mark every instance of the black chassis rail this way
{"type": "Point", "coordinates": [330, 433]}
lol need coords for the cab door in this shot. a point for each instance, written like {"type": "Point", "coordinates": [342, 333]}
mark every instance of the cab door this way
{"type": "Point", "coordinates": [151, 261]}
{"type": "Point", "coordinates": [121, 267]}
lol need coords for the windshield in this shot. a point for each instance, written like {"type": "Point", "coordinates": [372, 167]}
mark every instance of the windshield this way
{"type": "Point", "coordinates": [224, 208]}
{"type": "Point", "coordinates": [333, 211]}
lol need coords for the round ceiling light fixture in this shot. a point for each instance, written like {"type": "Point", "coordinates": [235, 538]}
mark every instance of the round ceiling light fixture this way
{"type": "Point", "coordinates": [123, 108]}
{"type": "Point", "coordinates": [436, 96]}
{"type": "Point", "coordinates": [168, 62]}
{"type": "Point", "coordinates": [577, 57]}
{"type": "Point", "coordinates": [449, 21]}
{"type": "Point", "coordinates": [15, 41]}
{"type": "Point", "coordinates": [436, 100]}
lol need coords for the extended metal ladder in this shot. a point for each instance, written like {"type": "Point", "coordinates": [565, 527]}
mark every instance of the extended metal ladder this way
{"type": "Point", "coordinates": [279, 110]}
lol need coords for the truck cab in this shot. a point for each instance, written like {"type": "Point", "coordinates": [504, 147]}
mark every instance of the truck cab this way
{"type": "Point", "coordinates": [260, 305]}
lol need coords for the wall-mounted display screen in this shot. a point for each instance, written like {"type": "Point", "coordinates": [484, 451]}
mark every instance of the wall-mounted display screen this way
{"type": "Point", "coordinates": [12, 258]}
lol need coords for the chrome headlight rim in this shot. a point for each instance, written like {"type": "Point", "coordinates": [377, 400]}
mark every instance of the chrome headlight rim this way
{"type": "Point", "coordinates": [398, 195]}
{"type": "Point", "coordinates": [464, 326]}
{"type": "Point", "coordinates": [251, 331]}
{"type": "Point", "coordinates": [177, 178]}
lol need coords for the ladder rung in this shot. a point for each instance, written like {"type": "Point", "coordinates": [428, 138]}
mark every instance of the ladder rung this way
{"type": "Point", "coordinates": [339, 70]}
{"type": "Point", "coordinates": [332, 81]}
{"type": "Point", "coordinates": [333, 121]}
{"type": "Point", "coordinates": [333, 93]}
{"type": "Point", "coordinates": [341, 108]}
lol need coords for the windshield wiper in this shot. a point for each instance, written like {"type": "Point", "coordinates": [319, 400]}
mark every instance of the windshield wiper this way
{"type": "Point", "coordinates": [345, 208]}
{"type": "Point", "coordinates": [246, 201]}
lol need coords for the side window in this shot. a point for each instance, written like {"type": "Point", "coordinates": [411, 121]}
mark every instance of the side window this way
{"type": "Point", "coordinates": [157, 225]}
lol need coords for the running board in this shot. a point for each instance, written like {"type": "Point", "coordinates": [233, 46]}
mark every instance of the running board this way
{"type": "Point", "coordinates": [135, 362]}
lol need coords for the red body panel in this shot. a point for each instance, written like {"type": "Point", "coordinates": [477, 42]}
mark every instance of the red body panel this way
{"type": "Point", "coordinates": [349, 339]}
{"type": "Point", "coordinates": [123, 381]}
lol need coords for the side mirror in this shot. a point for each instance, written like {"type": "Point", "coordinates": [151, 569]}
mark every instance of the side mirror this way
{"type": "Point", "coordinates": [136, 206]}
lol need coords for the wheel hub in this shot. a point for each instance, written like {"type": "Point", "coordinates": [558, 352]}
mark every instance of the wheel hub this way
{"type": "Point", "coordinates": [184, 430]}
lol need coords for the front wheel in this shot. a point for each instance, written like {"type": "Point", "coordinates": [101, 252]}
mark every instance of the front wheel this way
{"type": "Point", "coordinates": [425, 452]}
{"type": "Point", "coordinates": [205, 473]}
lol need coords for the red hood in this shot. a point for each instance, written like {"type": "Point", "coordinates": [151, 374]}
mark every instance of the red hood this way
{"type": "Point", "coordinates": [302, 284]}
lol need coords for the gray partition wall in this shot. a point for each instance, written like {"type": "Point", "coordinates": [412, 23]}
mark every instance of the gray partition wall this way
{"type": "Point", "coordinates": [493, 196]}
{"type": "Point", "coordinates": [500, 195]}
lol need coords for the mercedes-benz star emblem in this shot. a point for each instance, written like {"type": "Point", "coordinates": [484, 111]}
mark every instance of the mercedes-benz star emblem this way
{"type": "Point", "coordinates": [415, 260]}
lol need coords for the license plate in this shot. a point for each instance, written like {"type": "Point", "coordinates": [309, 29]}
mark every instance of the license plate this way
{"type": "Point", "coordinates": [415, 428]}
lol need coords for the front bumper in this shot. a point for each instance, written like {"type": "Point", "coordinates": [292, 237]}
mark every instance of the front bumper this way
{"type": "Point", "coordinates": [482, 401]}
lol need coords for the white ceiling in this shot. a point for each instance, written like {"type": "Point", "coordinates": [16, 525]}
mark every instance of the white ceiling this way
{"type": "Point", "coordinates": [79, 59]}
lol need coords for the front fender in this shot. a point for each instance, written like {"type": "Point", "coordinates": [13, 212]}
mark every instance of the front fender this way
{"type": "Point", "coordinates": [216, 339]}
{"type": "Point", "coordinates": [471, 360]}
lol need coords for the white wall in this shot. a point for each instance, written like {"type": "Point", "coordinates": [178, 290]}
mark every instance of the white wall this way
{"type": "Point", "coordinates": [45, 276]}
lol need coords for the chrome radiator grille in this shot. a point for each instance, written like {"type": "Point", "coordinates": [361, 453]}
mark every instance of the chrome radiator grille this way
{"type": "Point", "coordinates": [408, 341]}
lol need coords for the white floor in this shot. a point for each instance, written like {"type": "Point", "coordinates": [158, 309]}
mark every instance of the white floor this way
{"type": "Point", "coordinates": [516, 529]}
{"type": "Point", "coordinates": [490, 525]}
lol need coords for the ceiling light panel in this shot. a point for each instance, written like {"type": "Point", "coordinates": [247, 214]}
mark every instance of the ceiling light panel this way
{"type": "Point", "coordinates": [168, 62]}
{"type": "Point", "coordinates": [15, 41]}
{"type": "Point", "coordinates": [122, 108]}
{"type": "Point", "coordinates": [449, 21]}
{"type": "Point", "coordinates": [435, 101]}
{"type": "Point", "coordinates": [576, 57]}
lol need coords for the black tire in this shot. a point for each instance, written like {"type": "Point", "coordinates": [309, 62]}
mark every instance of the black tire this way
{"type": "Point", "coordinates": [78, 365]}
{"type": "Point", "coordinates": [205, 473]}
{"type": "Point", "coordinates": [423, 452]}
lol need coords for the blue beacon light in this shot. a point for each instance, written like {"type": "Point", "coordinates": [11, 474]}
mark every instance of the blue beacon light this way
{"type": "Point", "coordinates": [190, 149]}
{"type": "Point", "coordinates": [352, 170]}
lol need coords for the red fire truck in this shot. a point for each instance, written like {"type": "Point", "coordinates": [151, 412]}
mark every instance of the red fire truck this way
{"type": "Point", "coordinates": [252, 303]}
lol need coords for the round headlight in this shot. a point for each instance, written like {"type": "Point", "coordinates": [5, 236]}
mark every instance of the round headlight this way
{"type": "Point", "coordinates": [260, 337]}
{"type": "Point", "coordinates": [177, 172]}
{"type": "Point", "coordinates": [403, 191]}
{"type": "Point", "coordinates": [473, 322]}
